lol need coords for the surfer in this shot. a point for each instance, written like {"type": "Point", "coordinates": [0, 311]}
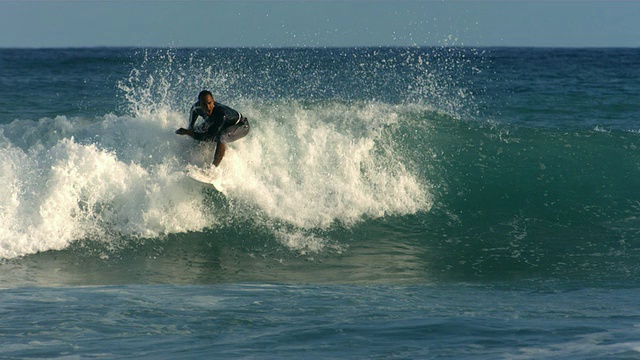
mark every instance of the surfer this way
{"type": "Point", "coordinates": [222, 124]}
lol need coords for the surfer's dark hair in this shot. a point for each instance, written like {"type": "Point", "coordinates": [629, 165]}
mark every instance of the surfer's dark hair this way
{"type": "Point", "coordinates": [203, 93]}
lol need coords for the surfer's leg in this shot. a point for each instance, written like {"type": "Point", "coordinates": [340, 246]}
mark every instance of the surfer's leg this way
{"type": "Point", "coordinates": [228, 135]}
{"type": "Point", "coordinates": [235, 132]}
{"type": "Point", "coordinates": [220, 149]}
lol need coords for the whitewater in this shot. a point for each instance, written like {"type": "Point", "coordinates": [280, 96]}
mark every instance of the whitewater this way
{"type": "Point", "coordinates": [71, 179]}
{"type": "Point", "coordinates": [305, 167]}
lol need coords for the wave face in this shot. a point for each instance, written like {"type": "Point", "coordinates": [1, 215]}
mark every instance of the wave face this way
{"type": "Point", "coordinates": [361, 165]}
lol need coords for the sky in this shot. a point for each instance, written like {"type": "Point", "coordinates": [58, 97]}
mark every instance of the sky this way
{"type": "Point", "coordinates": [192, 23]}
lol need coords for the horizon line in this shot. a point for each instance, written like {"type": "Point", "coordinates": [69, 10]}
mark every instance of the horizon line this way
{"type": "Point", "coordinates": [319, 47]}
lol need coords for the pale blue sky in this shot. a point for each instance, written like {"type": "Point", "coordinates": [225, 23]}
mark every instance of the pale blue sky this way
{"type": "Point", "coordinates": [319, 23]}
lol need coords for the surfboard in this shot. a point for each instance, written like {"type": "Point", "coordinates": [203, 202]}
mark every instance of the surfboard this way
{"type": "Point", "coordinates": [210, 177]}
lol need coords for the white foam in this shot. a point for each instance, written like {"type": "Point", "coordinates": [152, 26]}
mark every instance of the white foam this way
{"type": "Point", "coordinates": [114, 176]}
{"type": "Point", "coordinates": [306, 171]}
{"type": "Point", "coordinates": [64, 189]}
{"type": "Point", "coordinates": [309, 167]}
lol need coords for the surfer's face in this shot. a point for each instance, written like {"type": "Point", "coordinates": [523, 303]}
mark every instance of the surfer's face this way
{"type": "Point", "coordinates": [206, 103]}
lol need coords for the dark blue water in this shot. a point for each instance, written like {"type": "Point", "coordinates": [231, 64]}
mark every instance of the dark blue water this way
{"type": "Point", "coordinates": [388, 202]}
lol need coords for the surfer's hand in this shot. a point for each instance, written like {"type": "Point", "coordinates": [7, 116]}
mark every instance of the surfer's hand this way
{"type": "Point", "coordinates": [182, 131]}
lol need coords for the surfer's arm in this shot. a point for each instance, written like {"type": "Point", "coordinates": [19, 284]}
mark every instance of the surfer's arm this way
{"type": "Point", "coordinates": [193, 116]}
{"type": "Point", "coordinates": [183, 131]}
{"type": "Point", "coordinates": [210, 133]}
{"type": "Point", "coordinates": [199, 136]}
{"type": "Point", "coordinates": [196, 135]}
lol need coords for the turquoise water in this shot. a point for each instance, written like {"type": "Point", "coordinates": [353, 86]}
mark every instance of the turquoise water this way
{"type": "Point", "coordinates": [388, 202]}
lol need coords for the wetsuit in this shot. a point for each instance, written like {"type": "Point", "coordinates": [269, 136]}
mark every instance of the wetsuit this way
{"type": "Point", "coordinates": [223, 126]}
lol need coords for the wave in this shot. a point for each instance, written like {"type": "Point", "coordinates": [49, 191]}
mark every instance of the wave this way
{"type": "Point", "coordinates": [318, 156]}
{"type": "Point", "coordinates": [423, 190]}
{"type": "Point", "coordinates": [302, 167]}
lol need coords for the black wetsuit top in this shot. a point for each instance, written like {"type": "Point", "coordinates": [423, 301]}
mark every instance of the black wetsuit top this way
{"type": "Point", "coordinates": [221, 118]}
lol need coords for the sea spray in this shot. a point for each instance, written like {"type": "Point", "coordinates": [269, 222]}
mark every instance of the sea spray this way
{"type": "Point", "coordinates": [307, 164]}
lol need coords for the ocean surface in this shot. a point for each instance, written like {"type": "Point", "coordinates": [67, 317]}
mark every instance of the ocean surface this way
{"type": "Point", "coordinates": [413, 203]}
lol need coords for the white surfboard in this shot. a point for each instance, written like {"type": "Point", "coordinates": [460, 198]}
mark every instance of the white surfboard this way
{"type": "Point", "coordinates": [207, 176]}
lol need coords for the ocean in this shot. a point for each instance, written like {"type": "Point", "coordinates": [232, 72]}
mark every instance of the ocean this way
{"type": "Point", "coordinates": [413, 203]}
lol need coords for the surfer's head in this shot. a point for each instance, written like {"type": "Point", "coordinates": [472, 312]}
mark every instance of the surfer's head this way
{"type": "Point", "coordinates": [206, 102]}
